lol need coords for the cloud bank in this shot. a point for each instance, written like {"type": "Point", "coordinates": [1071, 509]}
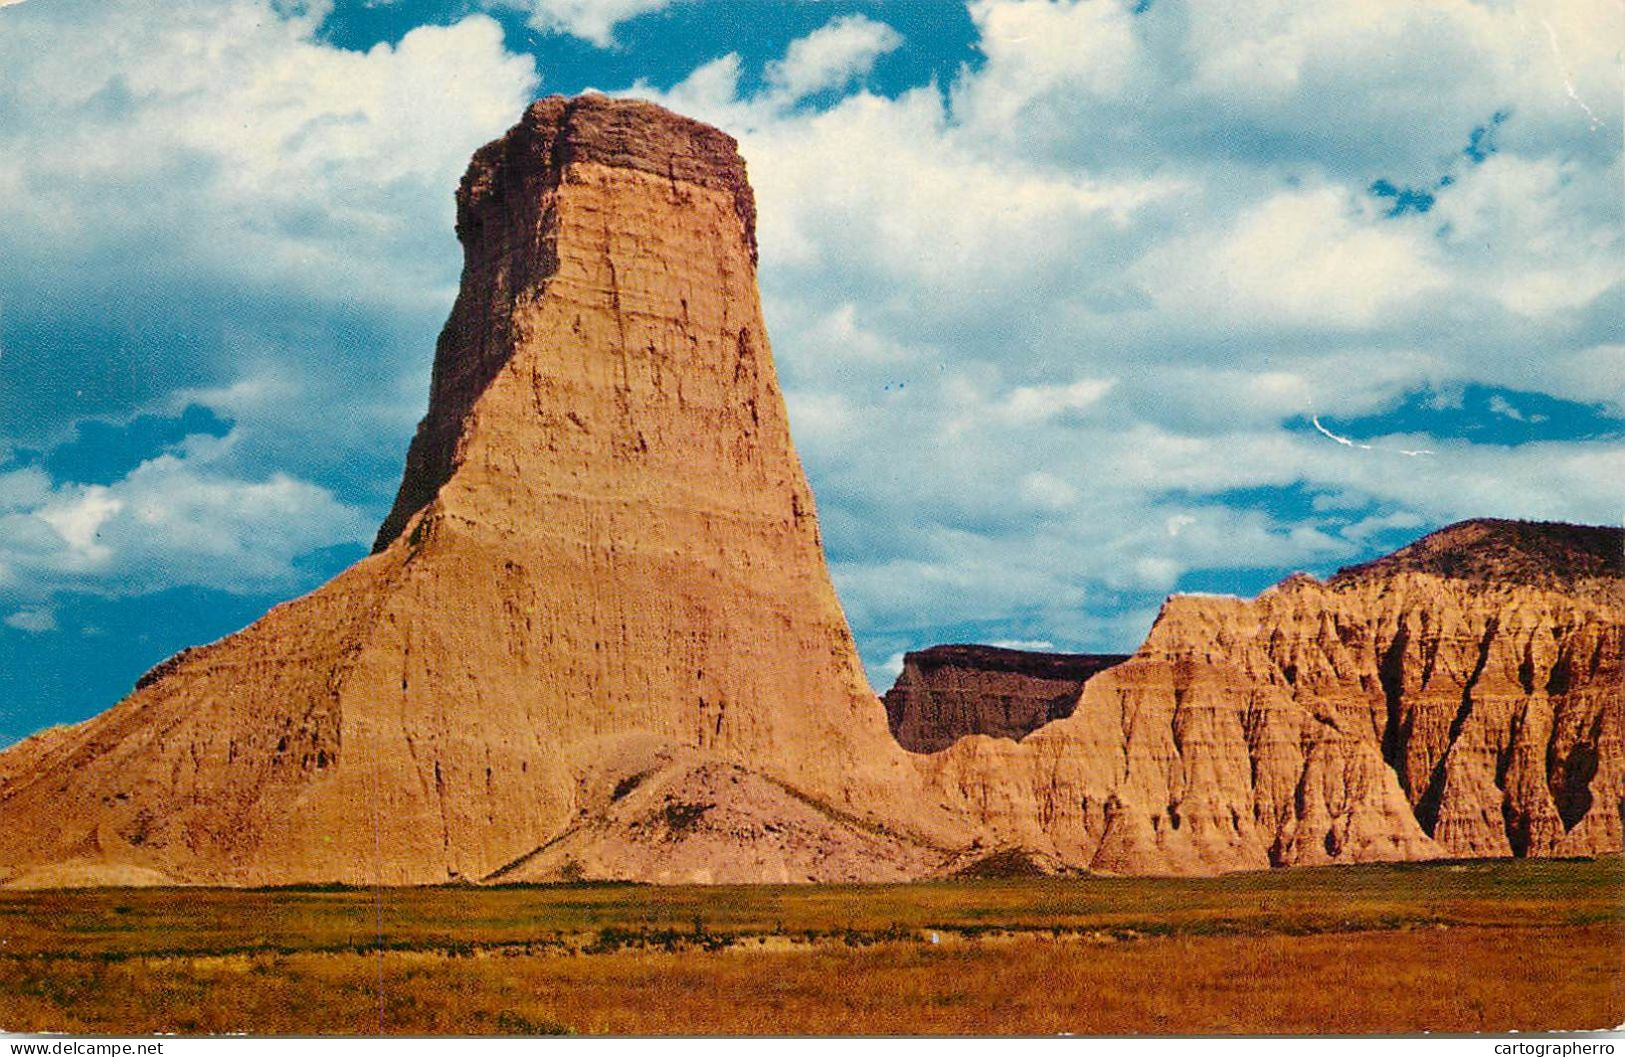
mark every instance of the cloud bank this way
{"type": "Point", "coordinates": [1078, 326]}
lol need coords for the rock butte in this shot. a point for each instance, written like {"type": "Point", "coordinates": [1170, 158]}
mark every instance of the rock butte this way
{"type": "Point", "coordinates": [600, 594]}
{"type": "Point", "coordinates": [597, 639]}
{"type": "Point", "coordinates": [946, 692]}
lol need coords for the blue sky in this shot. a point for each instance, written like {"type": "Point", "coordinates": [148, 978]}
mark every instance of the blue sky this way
{"type": "Point", "coordinates": [1074, 304]}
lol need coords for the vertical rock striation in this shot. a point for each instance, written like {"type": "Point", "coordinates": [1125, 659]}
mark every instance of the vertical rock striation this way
{"type": "Point", "coordinates": [1462, 697]}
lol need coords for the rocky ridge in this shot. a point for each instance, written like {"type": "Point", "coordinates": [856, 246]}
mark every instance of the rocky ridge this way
{"type": "Point", "coordinates": [1389, 713]}
{"type": "Point", "coordinates": [1549, 554]}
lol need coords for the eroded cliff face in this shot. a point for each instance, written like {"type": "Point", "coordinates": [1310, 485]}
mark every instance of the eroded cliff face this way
{"type": "Point", "coordinates": [1390, 713]}
{"type": "Point", "coordinates": [603, 567]}
{"type": "Point", "coordinates": [947, 692]}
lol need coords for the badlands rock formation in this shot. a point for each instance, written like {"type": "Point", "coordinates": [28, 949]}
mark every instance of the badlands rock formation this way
{"type": "Point", "coordinates": [597, 637]}
{"type": "Point", "coordinates": [600, 595]}
{"type": "Point", "coordinates": [1461, 697]}
{"type": "Point", "coordinates": [947, 692]}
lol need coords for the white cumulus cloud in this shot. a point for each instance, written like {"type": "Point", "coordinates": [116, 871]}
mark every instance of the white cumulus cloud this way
{"type": "Point", "coordinates": [175, 519]}
{"type": "Point", "coordinates": [591, 20]}
{"type": "Point", "coordinates": [831, 57]}
{"type": "Point", "coordinates": [35, 621]}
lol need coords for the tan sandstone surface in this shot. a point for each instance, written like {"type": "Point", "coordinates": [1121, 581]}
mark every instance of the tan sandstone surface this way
{"type": "Point", "coordinates": [1435, 703]}
{"type": "Point", "coordinates": [603, 562]}
{"type": "Point", "coordinates": [597, 637]}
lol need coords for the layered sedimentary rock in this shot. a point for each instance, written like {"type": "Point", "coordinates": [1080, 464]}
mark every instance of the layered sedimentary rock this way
{"type": "Point", "coordinates": [1434, 703]}
{"type": "Point", "coordinates": [603, 564]}
{"type": "Point", "coordinates": [947, 692]}
{"type": "Point", "coordinates": [597, 638]}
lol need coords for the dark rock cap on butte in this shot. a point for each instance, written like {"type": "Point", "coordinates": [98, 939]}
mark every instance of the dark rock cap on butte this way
{"type": "Point", "coordinates": [556, 132]}
{"type": "Point", "coordinates": [1079, 666]}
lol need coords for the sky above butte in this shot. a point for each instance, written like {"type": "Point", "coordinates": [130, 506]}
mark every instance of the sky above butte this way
{"type": "Point", "coordinates": [1074, 304]}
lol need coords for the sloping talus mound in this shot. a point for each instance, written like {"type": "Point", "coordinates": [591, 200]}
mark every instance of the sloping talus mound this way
{"type": "Point", "coordinates": [603, 567]}
{"type": "Point", "coordinates": [1419, 706]}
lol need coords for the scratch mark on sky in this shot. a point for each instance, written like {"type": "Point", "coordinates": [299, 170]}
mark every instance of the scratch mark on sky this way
{"type": "Point", "coordinates": [1348, 443]}
{"type": "Point", "coordinates": [1568, 82]}
{"type": "Point", "coordinates": [1341, 440]}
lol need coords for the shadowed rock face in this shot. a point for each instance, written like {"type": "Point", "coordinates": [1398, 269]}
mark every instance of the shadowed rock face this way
{"type": "Point", "coordinates": [948, 692]}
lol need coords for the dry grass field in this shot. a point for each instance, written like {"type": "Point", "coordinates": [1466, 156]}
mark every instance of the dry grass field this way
{"type": "Point", "coordinates": [1461, 947]}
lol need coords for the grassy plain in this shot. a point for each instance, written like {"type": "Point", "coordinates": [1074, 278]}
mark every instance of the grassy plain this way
{"type": "Point", "coordinates": [1488, 946]}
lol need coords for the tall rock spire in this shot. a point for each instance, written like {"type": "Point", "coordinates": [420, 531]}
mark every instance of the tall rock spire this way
{"type": "Point", "coordinates": [531, 229]}
{"type": "Point", "coordinates": [600, 591]}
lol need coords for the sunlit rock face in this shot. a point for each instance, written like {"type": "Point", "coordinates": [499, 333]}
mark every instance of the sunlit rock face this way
{"type": "Point", "coordinates": [1461, 697]}
{"type": "Point", "coordinates": [603, 572]}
